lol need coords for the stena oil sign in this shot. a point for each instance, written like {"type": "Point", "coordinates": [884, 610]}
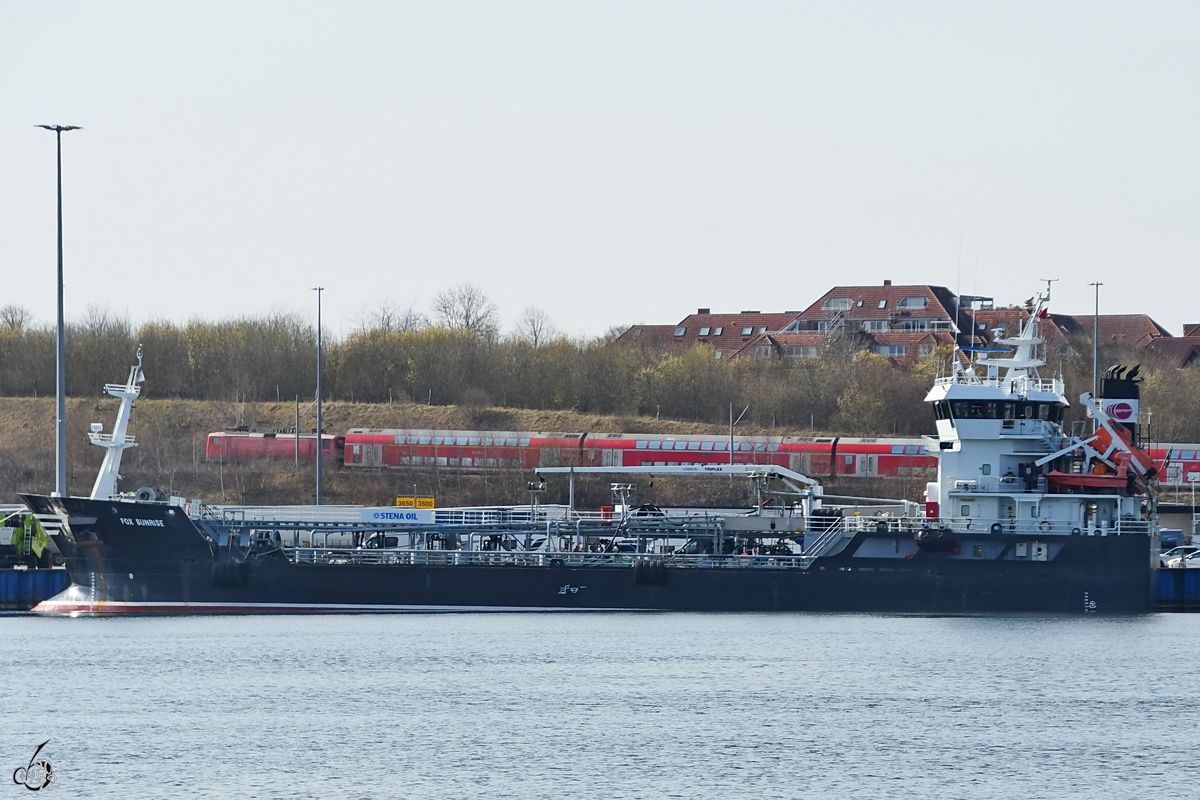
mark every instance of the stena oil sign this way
{"type": "Point", "coordinates": [1122, 410]}
{"type": "Point", "coordinates": [397, 516]}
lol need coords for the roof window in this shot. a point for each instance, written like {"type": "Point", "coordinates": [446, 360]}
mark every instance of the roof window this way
{"type": "Point", "coordinates": [705, 331]}
{"type": "Point", "coordinates": [746, 331]}
{"type": "Point", "coordinates": [913, 302]}
{"type": "Point", "coordinates": [883, 303]}
{"type": "Point", "coordinates": [717, 331]}
{"type": "Point", "coordinates": [680, 331]}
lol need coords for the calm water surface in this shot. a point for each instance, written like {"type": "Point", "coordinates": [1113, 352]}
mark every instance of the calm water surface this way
{"type": "Point", "coordinates": [605, 706]}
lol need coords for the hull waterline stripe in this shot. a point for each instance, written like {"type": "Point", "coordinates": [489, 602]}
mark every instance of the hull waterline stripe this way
{"type": "Point", "coordinates": [114, 607]}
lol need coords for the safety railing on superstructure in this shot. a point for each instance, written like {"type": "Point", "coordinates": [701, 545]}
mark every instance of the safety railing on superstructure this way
{"type": "Point", "coordinates": [1020, 384]}
{"type": "Point", "coordinates": [1050, 527]}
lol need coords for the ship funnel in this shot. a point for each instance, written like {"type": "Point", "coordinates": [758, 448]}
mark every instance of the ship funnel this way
{"type": "Point", "coordinates": [1119, 398]}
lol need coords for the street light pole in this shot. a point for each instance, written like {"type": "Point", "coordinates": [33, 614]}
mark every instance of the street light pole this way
{"type": "Point", "coordinates": [1096, 343]}
{"type": "Point", "coordinates": [320, 432]}
{"type": "Point", "coordinates": [60, 428]}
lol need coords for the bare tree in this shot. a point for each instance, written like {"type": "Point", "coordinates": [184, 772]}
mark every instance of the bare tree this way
{"type": "Point", "coordinates": [466, 308]}
{"type": "Point", "coordinates": [386, 317]}
{"type": "Point", "coordinates": [535, 327]}
{"type": "Point", "coordinates": [14, 317]}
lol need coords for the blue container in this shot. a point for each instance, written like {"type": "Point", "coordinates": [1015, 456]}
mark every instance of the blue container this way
{"type": "Point", "coordinates": [22, 589]}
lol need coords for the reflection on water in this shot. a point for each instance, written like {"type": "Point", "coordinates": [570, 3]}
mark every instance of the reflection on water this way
{"type": "Point", "coordinates": [606, 706]}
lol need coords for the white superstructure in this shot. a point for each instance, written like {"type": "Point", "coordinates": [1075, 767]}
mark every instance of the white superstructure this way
{"type": "Point", "coordinates": [1006, 465]}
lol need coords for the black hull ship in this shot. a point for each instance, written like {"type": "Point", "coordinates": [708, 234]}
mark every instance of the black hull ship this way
{"type": "Point", "coordinates": [1022, 518]}
{"type": "Point", "coordinates": [166, 563]}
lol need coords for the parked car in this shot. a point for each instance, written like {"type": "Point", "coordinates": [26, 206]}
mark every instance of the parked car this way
{"type": "Point", "coordinates": [1177, 552]}
{"type": "Point", "coordinates": [1190, 561]}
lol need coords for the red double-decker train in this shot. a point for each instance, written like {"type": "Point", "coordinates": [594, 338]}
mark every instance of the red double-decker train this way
{"type": "Point", "coordinates": [479, 451]}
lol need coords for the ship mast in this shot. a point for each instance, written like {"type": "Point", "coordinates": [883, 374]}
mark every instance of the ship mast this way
{"type": "Point", "coordinates": [116, 442]}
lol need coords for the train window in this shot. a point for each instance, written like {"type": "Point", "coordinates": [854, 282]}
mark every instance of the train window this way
{"type": "Point", "coordinates": [1175, 454]}
{"type": "Point", "coordinates": [473, 441]}
{"type": "Point", "coordinates": [760, 447]}
{"type": "Point", "coordinates": [453, 462]}
{"type": "Point", "coordinates": [640, 444]}
{"type": "Point", "coordinates": [718, 445]}
{"type": "Point", "coordinates": [423, 440]}
{"type": "Point", "coordinates": [440, 461]}
{"type": "Point", "coordinates": [510, 442]}
{"type": "Point", "coordinates": [897, 448]}
{"type": "Point", "coordinates": [401, 439]}
{"type": "Point", "coordinates": [486, 441]}
{"type": "Point", "coordinates": [461, 440]}
{"type": "Point", "coordinates": [773, 447]}
{"type": "Point", "coordinates": [912, 449]}
{"type": "Point", "coordinates": [523, 442]}
{"type": "Point", "coordinates": [744, 446]}
{"type": "Point", "coordinates": [215, 440]}
{"type": "Point", "coordinates": [706, 445]}
{"type": "Point", "coordinates": [655, 445]}
{"type": "Point", "coordinates": [437, 440]}
{"type": "Point", "coordinates": [466, 462]}
{"type": "Point", "coordinates": [848, 459]}
{"type": "Point", "coordinates": [693, 445]}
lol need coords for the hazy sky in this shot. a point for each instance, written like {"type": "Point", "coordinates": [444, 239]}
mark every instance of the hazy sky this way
{"type": "Point", "coordinates": [611, 163]}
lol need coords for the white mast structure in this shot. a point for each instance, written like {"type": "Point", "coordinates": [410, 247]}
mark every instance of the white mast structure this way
{"type": "Point", "coordinates": [116, 442]}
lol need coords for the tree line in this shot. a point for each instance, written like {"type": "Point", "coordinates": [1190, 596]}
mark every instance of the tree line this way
{"type": "Point", "coordinates": [456, 354]}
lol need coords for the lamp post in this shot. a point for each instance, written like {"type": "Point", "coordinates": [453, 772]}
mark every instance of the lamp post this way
{"type": "Point", "coordinates": [320, 432]}
{"type": "Point", "coordinates": [60, 428]}
{"type": "Point", "coordinates": [1096, 344]}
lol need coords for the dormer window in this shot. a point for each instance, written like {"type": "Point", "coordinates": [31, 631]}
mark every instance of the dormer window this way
{"type": "Point", "coordinates": [914, 302]}
{"type": "Point", "coordinates": [838, 304]}
{"type": "Point", "coordinates": [680, 331]}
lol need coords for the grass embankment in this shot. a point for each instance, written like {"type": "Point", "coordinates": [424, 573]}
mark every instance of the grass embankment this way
{"type": "Point", "coordinates": [170, 455]}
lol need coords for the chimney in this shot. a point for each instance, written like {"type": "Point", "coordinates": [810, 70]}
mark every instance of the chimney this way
{"type": "Point", "coordinates": [887, 283]}
{"type": "Point", "coordinates": [703, 310]}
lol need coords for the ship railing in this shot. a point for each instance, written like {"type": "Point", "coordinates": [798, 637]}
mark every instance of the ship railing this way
{"type": "Point", "coordinates": [1022, 384]}
{"type": "Point", "coordinates": [1047, 527]}
{"type": "Point", "coordinates": [492, 558]}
